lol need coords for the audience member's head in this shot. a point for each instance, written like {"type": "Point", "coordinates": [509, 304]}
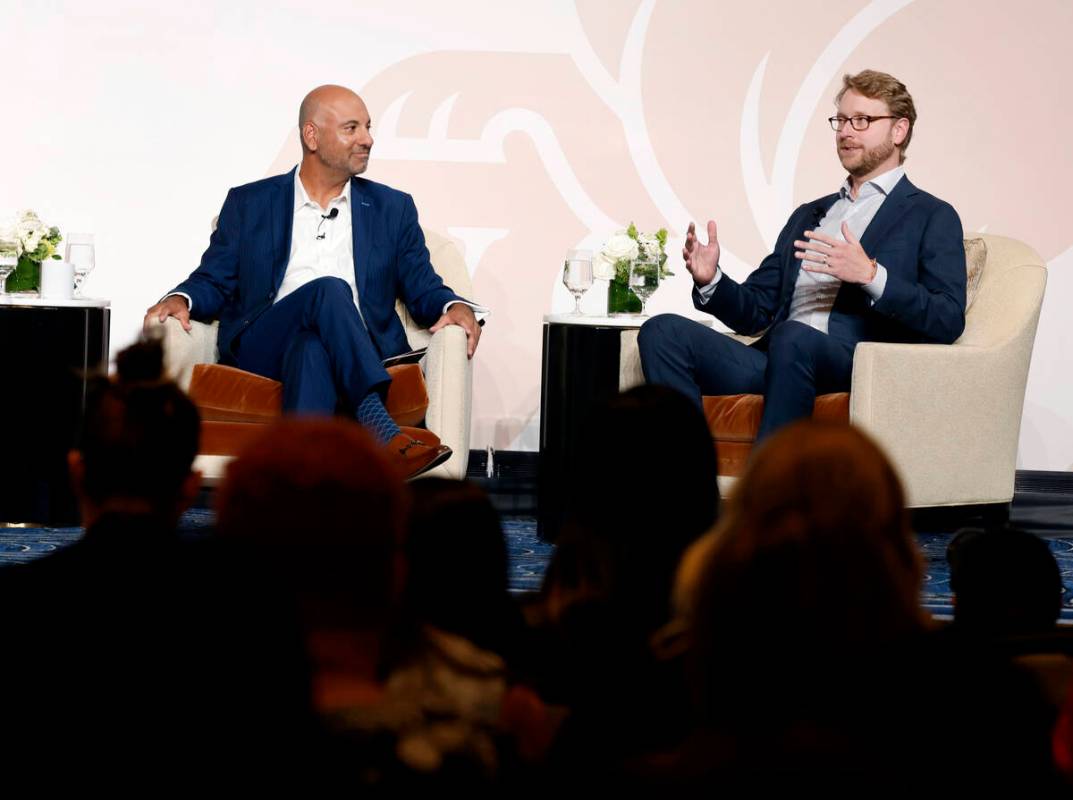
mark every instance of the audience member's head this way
{"type": "Point", "coordinates": [322, 502]}
{"type": "Point", "coordinates": [1005, 582]}
{"type": "Point", "coordinates": [457, 561]}
{"type": "Point", "coordinates": [643, 488]}
{"type": "Point", "coordinates": [139, 440]}
{"type": "Point", "coordinates": [814, 557]}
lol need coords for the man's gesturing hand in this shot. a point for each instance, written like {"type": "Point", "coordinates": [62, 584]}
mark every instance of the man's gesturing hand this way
{"type": "Point", "coordinates": [846, 260]}
{"type": "Point", "coordinates": [462, 315]}
{"type": "Point", "coordinates": [702, 260]}
{"type": "Point", "coordinates": [171, 306]}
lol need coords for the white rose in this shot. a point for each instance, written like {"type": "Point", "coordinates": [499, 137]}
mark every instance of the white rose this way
{"type": "Point", "coordinates": [620, 246]}
{"type": "Point", "coordinates": [603, 268]}
{"type": "Point", "coordinates": [31, 241]}
{"type": "Point", "coordinates": [28, 227]}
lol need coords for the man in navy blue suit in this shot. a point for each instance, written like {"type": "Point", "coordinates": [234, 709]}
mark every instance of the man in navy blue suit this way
{"type": "Point", "coordinates": [303, 271]}
{"type": "Point", "coordinates": [880, 260]}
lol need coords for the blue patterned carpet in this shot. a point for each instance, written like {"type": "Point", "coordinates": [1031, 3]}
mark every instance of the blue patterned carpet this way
{"type": "Point", "coordinates": [529, 556]}
{"type": "Point", "coordinates": [936, 596]}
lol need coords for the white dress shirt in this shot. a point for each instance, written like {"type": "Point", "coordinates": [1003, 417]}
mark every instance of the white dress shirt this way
{"type": "Point", "coordinates": [815, 292]}
{"type": "Point", "coordinates": [324, 248]}
{"type": "Point", "coordinates": [320, 247]}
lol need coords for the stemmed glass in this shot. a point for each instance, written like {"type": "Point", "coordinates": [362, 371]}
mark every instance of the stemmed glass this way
{"type": "Point", "coordinates": [80, 254]}
{"type": "Point", "coordinates": [577, 275]}
{"type": "Point", "coordinates": [644, 278]}
{"type": "Point", "coordinates": [9, 259]}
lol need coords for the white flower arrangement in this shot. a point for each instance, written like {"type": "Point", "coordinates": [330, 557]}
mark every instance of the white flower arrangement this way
{"type": "Point", "coordinates": [33, 239]}
{"type": "Point", "coordinates": [612, 262]}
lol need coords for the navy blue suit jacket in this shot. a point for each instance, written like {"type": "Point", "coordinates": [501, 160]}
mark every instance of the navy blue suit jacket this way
{"type": "Point", "coordinates": [243, 267]}
{"type": "Point", "coordinates": [915, 236]}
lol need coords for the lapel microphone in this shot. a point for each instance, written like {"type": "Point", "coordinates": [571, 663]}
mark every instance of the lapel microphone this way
{"type": "Point", "coordinates": [330, 215]}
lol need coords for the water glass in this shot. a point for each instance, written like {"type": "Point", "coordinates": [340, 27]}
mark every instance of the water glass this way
{"type": "Point", "coordinates": [8, 261]}
{"type": "Point", "coordinates": [577, 275]}
{"type": "Point", "coordinates": [644, 278]}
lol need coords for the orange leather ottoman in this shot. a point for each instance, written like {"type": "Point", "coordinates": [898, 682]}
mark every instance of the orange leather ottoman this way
{"type": "Point", "coordinates": [235, 405]}
{"type": "Point", "coordinates": [734, 419]}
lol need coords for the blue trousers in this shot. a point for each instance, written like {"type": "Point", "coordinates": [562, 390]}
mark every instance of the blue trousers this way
{"type": "Point", "coordinates": [797, 363]}
{"type": "Point", "coordinates": [316, 344]}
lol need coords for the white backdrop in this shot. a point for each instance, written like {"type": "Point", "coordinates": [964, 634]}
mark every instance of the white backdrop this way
{"type": "Point", "coordinates": [525, 129]}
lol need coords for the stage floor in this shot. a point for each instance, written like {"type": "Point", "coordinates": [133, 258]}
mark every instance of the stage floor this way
{"type": "Point", "coordinates": [1042, 505]}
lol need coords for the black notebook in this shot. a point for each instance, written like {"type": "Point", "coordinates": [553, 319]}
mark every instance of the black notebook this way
{"type": "Point", "coordinates": [412, 357]}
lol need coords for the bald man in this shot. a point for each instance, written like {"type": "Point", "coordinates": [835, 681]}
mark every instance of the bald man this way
{"type": "Point", "coordinates": [303, 271]}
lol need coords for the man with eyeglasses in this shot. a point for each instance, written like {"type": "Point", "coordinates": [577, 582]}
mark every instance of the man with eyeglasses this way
{"type": "Point", "coordinates": [303, 271]}
{"type": "Point", "coordinates": [879, 260]}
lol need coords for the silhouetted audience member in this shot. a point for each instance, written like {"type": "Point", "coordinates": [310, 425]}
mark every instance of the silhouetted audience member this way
{"type": "Point", "coordinates": [1008, 595]}
{"type": "Point", "coordinates": [458, 567]}
{"type": "Point", "coordinates": [131, 649]}
{"type": "Point", "coordinates": [644, 489]}
{"type": "Point", "coordinates": [398, 708]}
{"type": "Point", "coordinates": [1005, 582]}
{"type": "Point", "coordinates": [811, 660]}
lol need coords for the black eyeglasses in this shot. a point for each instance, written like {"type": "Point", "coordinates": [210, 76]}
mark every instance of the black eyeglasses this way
{"type": "Point", "coordinates": [859, 123]}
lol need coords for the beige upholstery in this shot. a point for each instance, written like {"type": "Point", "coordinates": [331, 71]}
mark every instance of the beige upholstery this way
{"type": "Point", "coordinates": [949, 416]}
{"type": "Point", "coordinates": [448, 372]}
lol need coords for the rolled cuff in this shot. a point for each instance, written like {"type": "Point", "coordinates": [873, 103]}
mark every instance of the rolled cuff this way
{"type": "Point", "coordinates": [877, 285]}
{"type": "Point", "coordinates": [708, 289]}
{"type": "Point", "coordinates": [480, 312]}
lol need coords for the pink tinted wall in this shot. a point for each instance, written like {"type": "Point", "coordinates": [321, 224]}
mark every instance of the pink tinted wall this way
{"type": "Point", "coordinates": [526, 129]}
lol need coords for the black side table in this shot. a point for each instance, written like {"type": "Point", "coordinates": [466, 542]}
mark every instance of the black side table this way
{"type": "Point", "coordinates": [581, 368]}
{"type": "Point", "coordinates": [50, 348]}
{"type": "Point", "coordinates": [586, 361]}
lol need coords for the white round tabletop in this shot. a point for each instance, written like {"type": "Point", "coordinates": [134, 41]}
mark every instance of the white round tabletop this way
{"type": "Point", "coordinates": [51, 302]}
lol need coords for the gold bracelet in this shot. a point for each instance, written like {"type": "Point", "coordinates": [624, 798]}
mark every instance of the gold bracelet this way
{"type": "Point", "coordinates": [875, 270]}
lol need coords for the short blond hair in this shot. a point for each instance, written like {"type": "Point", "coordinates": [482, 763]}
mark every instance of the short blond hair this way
{"type": "Point", "coordinates": [881, 86]}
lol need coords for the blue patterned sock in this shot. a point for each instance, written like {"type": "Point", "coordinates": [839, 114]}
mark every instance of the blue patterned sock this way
{"type": "Point", "coordinates": [372, 414]}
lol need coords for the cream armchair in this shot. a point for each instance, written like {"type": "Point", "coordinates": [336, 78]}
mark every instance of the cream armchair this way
{"type": "Point", "coordinates": [949, 416]}
{"type": "Point", "coordinates": [448, 372]}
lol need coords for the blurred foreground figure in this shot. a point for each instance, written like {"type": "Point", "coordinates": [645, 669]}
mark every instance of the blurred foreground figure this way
{"type": "Point", "coordinates": [811, 660]}
{"type": "Point", "coordinates": [134, 650]}
{"type": "Point", "coordinates": [399, 704]}
{"type": "Point", "coordinates": [644, 489]}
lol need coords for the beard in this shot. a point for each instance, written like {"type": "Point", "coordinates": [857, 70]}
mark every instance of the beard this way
{"type": "Point", "coordinates": [870, 158]}
{"type": "Point", "coordinates": [343, 161]}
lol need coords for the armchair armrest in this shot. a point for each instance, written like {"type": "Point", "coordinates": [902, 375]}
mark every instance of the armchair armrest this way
{"type": "Point", "coordinates": [949, 416]}
{"type": "Point", "coordinates": [449, 376]}
{"type": "Point", "coordinates": [183, 350]}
